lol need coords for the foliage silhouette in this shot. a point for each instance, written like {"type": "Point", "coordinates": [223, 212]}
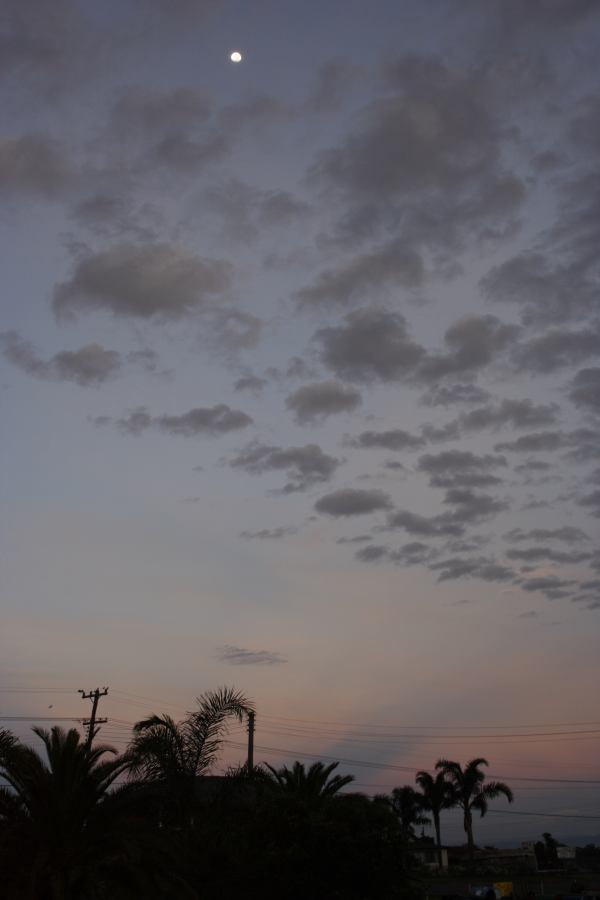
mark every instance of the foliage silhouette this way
{"type": "Point", "coordinates": [64, 834]}
{"type": "Point", "coordinates": [437, 796]}
{"type": "Point", "coordinates": [470, 792]}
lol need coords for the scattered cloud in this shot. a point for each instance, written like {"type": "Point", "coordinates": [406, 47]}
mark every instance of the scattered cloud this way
{"type": "Point", "coordinates": [585, 390]}
{"type": "Point", "coordinates": [314, 402]}
{"type": "Point", "coordinates": [89, 366]}
{"type": "Point", "coordinates": [150, 281]}
{"type": "Point", "coordinates": [352, 502]}
{"type": "Point", "coordinates": [213, 420]}
{"type": "Point", "coordinates": [268, 534]}
{"type": "Point", "coordinates": [304, 466]}
{"type": "Point", "coordinates": [396, 439]}
{"type": "Point", "coordinates": [241, 656]}
{"type": "Point", "coordinates": [461, 468]}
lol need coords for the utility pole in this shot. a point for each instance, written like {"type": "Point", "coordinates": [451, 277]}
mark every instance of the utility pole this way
{"type": "Point", "coordinates": [251, 723]}
{"type": "Point", "coordinates": [93, 721]}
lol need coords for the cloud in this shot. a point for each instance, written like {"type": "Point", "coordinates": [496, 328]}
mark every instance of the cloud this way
{"type": "Point", "coordinates": [592, 502]}
{"type": "Point", "coordinates": [250, 383]}
{"type": "Point", "coordinates": [533, 467]}
{"type": "Point", "coordinates": [567, 533]}
{"type": "Point", "coordinates": [304, 466]}
{"type": "Point", "coordinates": [314, 402]}
{"type": "Point", "coordinates": [352, 502]}
{"type": "Point", "coordinates": [372, 344]}
{"type": "Point", "coordinates": [443, 525]}
{"type": "Point", "coordinates": [473, 507]}
{"type": "Point", "coordinates": [585, 389]}
{"type": "Point", "coordinates": [245, 211]}
{"type": "Point", "coordinates": [241, 656]}
{"type": "Point", "coordinates": [453, 394]}
{"type": "Point", "coordinates": [535, 554]}
{"type": "Point", "coordinates": [396, 439]}
{"type": "Point", "coordinates": [89, 366]}
{"type": "Point", "coordinates": [423, 160]}
{"type": "Point", "coordinates": [141, 109]}
{"type": "Point", "coordinates": [214, 420]}
{"type": "Point", "coordinates": [396, 264]}
{"type": "Point", "coordinates": [152, 281]}
{"type": "Point", "coordinates": [545, 583]}
{"type": "Point", "coordinates": [540, 442]}
{"type": "Point", "coordinates": [460, 468]}
{"type": "Point", "coordinates": [411, 554]}
{"type": "Point", "coordinates": [473, 343]}
{"type": "Point", "coordinates": [518, 413]}
{"type": "Point", "coordinates": [359, 539]}
{"type": "Point", "coordinates": [268, 534]}
{"type": "Point", "coordinates": [33, 164]}
{"type": "Point", "coordinates": [556, 349]}
{"type": "Point", "coordinates": [480, 567]}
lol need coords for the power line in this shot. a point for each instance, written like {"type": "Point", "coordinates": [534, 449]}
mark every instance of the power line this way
{"type": "Point", "coordinates": [411, 769]}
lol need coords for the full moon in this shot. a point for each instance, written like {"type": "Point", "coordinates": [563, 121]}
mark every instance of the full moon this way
{"type": "Point", "coordinates": [236, 56]}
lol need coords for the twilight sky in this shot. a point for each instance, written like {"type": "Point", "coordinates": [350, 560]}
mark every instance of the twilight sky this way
{"type": "Point", "coordinates": [300, 377]}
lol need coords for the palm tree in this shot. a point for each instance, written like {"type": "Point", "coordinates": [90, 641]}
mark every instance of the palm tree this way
{"type": "Point", "coordinates": [176, 753]}
{"type": "Point", "coordinates": [438, 795]}
{"type": "Point", "coordinates": [63, 832]}
{"type": "Point", "coordinates": [470, 792]}
{"type": "Point", "coordinates": [314, 783]}
{"type": "Point", "coordinates": [408, 805]}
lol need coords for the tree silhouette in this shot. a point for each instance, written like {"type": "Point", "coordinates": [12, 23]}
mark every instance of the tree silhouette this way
{"type": "Point", "coordinates": [408, 805]}
{"type": "Point", "coordinates": [314, 783]}
{"type": "Point", "coordinates": [174, 753]}
{"type": "Point", "coordinates": [63, 832]}
{"type": "Point", "coordinates": [437, 795]}
{"type": "Point", "coordinates": [471, 793]}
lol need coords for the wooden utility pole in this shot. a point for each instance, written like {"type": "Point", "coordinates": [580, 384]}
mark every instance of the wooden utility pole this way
{"type": "Point", "coordinates": [93, 722]}
{"type": "Point", "coordinates": [251, 723]}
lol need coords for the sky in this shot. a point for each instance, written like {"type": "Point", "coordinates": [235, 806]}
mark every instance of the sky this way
{"type": "Point", "coordinates": [300, 380]}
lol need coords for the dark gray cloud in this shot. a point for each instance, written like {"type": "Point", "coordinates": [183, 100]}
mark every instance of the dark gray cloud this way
{"type": "Point", "coordinates": [245, 211]}
{"type": "Point", "coordinates": [546, 583]}
{"type": "Point", "coordinates": [450, 185]}
{"type": "Point", "coordinates": [395, 439]}
{"type": "Point", "coordinates": [241, 656]}
{"type": "Point", "coordinates": [395, 265]}
{"type": "Point", "coordinates": [268, 534]}
{"type": "Point", "coordinates": [304, 466]}
{"type": "Point", "coordinates": [556, 349]}
{"type": "Point", "coordinates": [473, 342]}
{"type": "Point", "coordinates": [250, 383]}
{"type": "Point", "coordinates": [539, 442]}
{"type": "Point", "coordinates": [314, 402]}
{"type": "Point", "coordinates": [358, 539]}
{"type": "Point", "coordinates": [33, 164]}
{"type": "Point", "coordinates": [566, 533]}
{"type": "Point", "coordinates": [154, 280]}
{"type": "Point", "coordinates": [585, 389]}
{"type": "Point", "coordinates": [482, 567]}
{"type": "Point", "coordinates": [353, 502]}
{"type": "Point", "coordinates": [454, 394]}
{"type": "Point", "coordinates": [592, 502]}
{"type": "Point", "coordinates": [533, 467]}
{"type": "Point", "coordinates": [372, 344]}
{"type": "Point", "coordinates": [89, 366]}
{"type": "Point", "coordinates": [443, 525]}
{"type": "Point", "coordinates": [411, 554]}
{"type": "Point", "coordinates": [547, 291]}
{"type": "Point", "coordinates": [536, 554]}
{"type": "Point", "coordinates": [114, 216]}
{"type": "Point", "coordinates": [518, 413]}
{"type": "Point", "coordinates": [214, 420]}
{"type": "Point", "coordinates": [460, 468]}
{"type": "Point", "coordinates": [471, 507]}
